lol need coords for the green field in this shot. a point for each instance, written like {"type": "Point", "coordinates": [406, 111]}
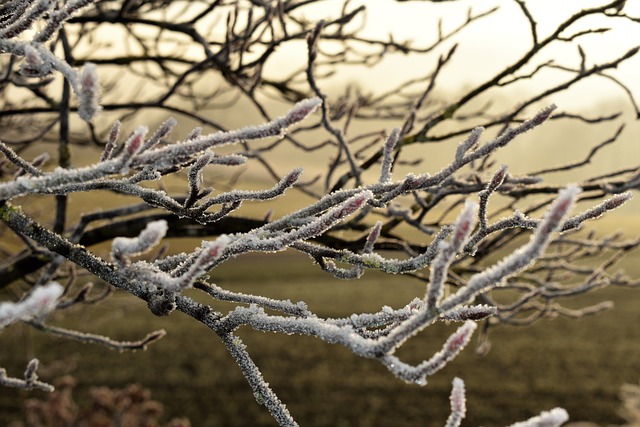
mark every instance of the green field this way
{"type": "Point", "coordinates": [579, 365]}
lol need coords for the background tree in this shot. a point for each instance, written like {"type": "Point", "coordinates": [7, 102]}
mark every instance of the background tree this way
{"type": "Point", "coordinates": [196, 59]}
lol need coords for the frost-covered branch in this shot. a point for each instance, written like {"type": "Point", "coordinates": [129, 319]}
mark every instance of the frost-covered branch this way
{"type": "Point", "coordinates": [30, 381]}
{"type": "Point", "coordinates": [104, 341]}
{"type": "Point", "coordinates": [63, 181]}
{"type": "Point", "coordinates": [374, 207]}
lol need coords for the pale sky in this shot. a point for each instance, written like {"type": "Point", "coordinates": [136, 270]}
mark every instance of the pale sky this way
{"type": "Point", "coordinates": [487, 45]}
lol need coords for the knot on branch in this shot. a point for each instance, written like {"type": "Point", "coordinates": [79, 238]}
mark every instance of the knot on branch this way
{"type": "Point", "coordinates": [162, 302]}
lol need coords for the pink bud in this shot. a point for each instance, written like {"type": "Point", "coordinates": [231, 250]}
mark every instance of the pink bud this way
{"type": "Point", "coordinates": [458, 401]}
{"type": "Point", "coordinates": [617, 200]}
{"type": "Point", "coordinates": [115, 131]}
{"type": "Point", "coordinates": [136, 140]}
{"type": "Point", "coordinates": [463, 225]}
{"type": "Point", "coordinates": [211, 251]}
{"type": "Point", "coordinates": [460, 338]}
{"type": "Point", "coordinates": [134, 144]}
{"type": "Point", "coordinates": [498, 178]}
{"type": "Point", "coordinates": [373, 236]}
{"type": "Point", "coordinates": [292, 177]}
{"type": "Point", "coordinates": [558, 210]}
{"type": "Point", "coordinates": [302, 109]}
{"type": "Point", "coordinates": [89, 95]}
{"type": "Point", "coordinates": [353, 204]}
{"type": "Point", "coordinates": [543, 115]}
